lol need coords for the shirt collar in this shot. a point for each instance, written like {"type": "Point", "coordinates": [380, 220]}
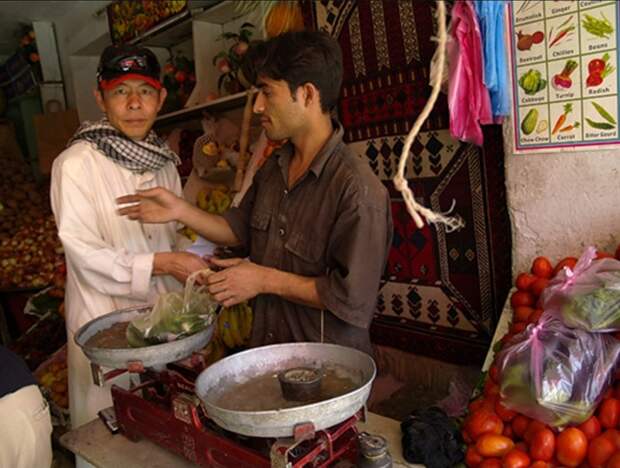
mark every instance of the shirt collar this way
{"type": "Point", "coordinates": [285, 153]}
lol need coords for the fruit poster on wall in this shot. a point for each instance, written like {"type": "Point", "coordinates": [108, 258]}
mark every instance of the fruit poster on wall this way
{"type": "Point", "coordinates": [564, 56]}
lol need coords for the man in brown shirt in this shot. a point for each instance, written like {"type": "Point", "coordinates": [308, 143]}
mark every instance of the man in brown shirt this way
{"type": "Point", "coordinates": [316, 221]}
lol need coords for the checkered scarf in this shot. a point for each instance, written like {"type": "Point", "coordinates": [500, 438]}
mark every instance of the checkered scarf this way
{"type": "Point", "coordinates": [150, 154]}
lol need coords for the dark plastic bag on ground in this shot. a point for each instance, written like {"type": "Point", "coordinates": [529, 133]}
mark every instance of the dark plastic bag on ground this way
{"type": "Point", "coordinates": [175, 315]}
{"type": "Point", "coordinates": [588, 296]}
{"type": "Point", "coordinates": [556, 374]}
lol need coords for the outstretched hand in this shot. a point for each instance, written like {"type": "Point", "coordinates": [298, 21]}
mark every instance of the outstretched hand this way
{"type": "Point", "coordinates": [156, 205]}
{"type": "Point", "coordinates": [238, 281]}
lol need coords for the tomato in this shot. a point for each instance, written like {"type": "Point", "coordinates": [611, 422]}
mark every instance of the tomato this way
{"type": "Point", "coordinates": [516, 459]}
{"type": "Point", "coordinates": [504, 413]}
{"type": "Point", "coordinates": [540, 464]}
{"type": "Point", "coordinates": [508, 431]}
{"type": "Point", "coordinates": [569, 262]}
{"type": "Point", "coordinates": [609, 412]}
{"type": "Point", "coordinates": [522, 313]}
{"type": "Point", "coordinates": [494, 373]}
{"type": "Point", "coordinates": [600, 255]}
{"type": "Point", "coordinates": [490, 390]}
{"type": "Point", "coordinates": [521, 298]}
{"type": "Point", "coordinates": [493, 445]}
{"type": "Point", "coordinates": [535, 317]}
{"type": "Point", "coordinates": [524, 280]}
{"type": "Point", "coordinates": [475, 405]}
{"type": "Point", "coordinates": [599, 451]}
{"type": "Point", "coordinates": [571, 447]}
{"type": "Point", "coordinates": [532, 428]}
{"type": "Point", "coordinates": [542, 445]}
{"type": "Point", "coordinates": [591, 427]}
{"type": "Point", "coordinates": [491, 463]}
{"type": "Point", "coordinates": [472, 458]}
{"type": "Point", "coordinates": [541, 267]}
{"type": "Point", "coordinates": [538, 286]}
{"type": "Point", "coordinates": [613, 436]}
{"type": "Point", "coordinates": [519, 424]}
{"type": "Point", "coordinates": [614, 461]}
{"type": "Point", "coordinates": [481, 422]}
{"type": "Point", "coordinates": [517, 328]}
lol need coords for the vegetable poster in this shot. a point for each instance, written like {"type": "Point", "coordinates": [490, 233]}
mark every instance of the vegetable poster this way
{"type": "Point", "coordinates": [564, 56]}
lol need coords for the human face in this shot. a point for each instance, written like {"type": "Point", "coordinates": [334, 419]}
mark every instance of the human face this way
{"type": "Point", "coordinates": [282, 114]}
{"type": "Point", "coordinates": [131, 107]}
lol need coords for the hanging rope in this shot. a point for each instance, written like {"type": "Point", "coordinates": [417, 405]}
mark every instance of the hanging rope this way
{"type": "Point", "coordinates": [416, 210]}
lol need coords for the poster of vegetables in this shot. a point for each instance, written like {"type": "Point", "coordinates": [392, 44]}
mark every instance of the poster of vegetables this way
{"type": "Point", "coordinates": [564, 62]}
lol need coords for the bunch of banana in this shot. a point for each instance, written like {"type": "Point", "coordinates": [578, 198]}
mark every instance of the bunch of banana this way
{"type": "Point", "coordinates": [214, 351]}
{"type": "Point", "coordinates": [235, 325]}
{"type": "Point", "coordinates": [215, 201]}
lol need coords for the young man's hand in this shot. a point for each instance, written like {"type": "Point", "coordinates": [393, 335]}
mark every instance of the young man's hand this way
{"type": "Point", "coordinates": [239, 280]}
{"type": "Point", "coordinates": [177, 264]}
{"type": "Point", "coordinates": [156, 205]}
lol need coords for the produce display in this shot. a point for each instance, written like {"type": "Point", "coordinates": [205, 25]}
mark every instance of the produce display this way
{"type": "Point", "coordinates": [498, 436]}
{"type": "Point", "coordinates": [52, 377]}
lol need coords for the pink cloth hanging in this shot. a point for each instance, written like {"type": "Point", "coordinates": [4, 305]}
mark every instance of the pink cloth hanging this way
{"type": "Point", "coordinates": [468, 98]}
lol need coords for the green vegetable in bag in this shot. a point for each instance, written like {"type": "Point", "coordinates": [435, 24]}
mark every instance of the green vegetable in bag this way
{"type": "Point", "coordinates": [598, 310]}
{"type": "Point", "coordinates": [532, 82]}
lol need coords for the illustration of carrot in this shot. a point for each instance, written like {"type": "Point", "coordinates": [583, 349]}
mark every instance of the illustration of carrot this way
{"type": "Point", "coordinates": [570, 127]}
{"type": "Point", "coordinates": [568, 108]}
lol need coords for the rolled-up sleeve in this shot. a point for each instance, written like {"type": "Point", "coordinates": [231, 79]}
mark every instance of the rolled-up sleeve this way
{"type": "Point", "coordinates": [357, 252]}
{"type": "Point", "coordinates": [115, 272]}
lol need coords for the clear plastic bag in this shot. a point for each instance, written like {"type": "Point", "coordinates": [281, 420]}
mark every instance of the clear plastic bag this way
{"type": "Point", "coordinates": [588, 296]}
{"type": "Point", "coordinates": [556, 374]}
{"type": "Point", "coordinates": [175, 315]}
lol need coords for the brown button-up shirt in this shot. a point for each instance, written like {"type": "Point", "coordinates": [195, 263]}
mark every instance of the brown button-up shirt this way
{"type": "Point", "coordinates": [335, 225]}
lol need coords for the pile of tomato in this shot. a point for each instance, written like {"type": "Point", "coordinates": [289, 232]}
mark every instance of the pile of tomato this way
{"type": "Point", "coordinates": [498, 437]}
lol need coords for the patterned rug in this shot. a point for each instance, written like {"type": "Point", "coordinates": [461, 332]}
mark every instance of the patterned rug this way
{"type": "Point", "coordinates": [442, 292]}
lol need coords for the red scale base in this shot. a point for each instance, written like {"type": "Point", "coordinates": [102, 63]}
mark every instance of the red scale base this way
{"type": "Point", "coordinates": [165, 410]}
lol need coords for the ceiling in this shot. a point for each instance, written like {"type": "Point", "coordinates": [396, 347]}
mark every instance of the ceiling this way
{"type": "Point", "coordinates": [15, 13]}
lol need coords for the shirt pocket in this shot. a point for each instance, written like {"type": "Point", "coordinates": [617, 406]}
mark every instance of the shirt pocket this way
{"type": "Point", "coordinates": [308, 252]}
{"type": "Point", "coordinates": [259, 234]}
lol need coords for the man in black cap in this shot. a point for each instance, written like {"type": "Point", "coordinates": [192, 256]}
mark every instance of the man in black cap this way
{"type": "Point", "coordinates": [112, 262]}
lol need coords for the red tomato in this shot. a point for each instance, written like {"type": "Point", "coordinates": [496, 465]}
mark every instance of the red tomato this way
{"type": "Point", "coordinates": [508, 431]}
{"type": "Point", "coordinates": [524, 280]}
{"type": "Point", "coordinates": [481, 422]}
{"type": "Point", "coordinates": [538, 286]}
{"type": "Point", "coordinates": [493, 445]}
{"type": "Point", "coordinates": [519, 425]}
{"type": "Point", "coordinates": [599, 451]}
{"type": "Point", "coordinates": [504, 413]}
{"type": "Point", "coordinates": [522, 313]}
{"type": "Point", "coordinates": [591, 427]}
{"type": "Point", "coordinates": [569, 262]}
{"type": "Point", "coordinates": [490, 390]}
{"type": "Point", "coordinates": [613, 436]}
{"type": "Point", "coordinates": [517, 328]}
{"type": "Point", "coordinates": [475, 405]}
{"type": "Point", "coordinates": [516, 459]}
{"type": "Point", "coordinates": [541, 267]}
{"type": "Point", "coordinates": [540, 464]}
{"type": "Point", "coordinates": [609, 412]}
{"type": "Point", "coordinates": [535, 317]}
{"type": "Point", "coordinates": [491, 463]}
{"type": "Point", "coordinates": [572, 447]}
{"type": "Point", "coordinates": [521, 298]}
{"type": "Point", "coordinates": [532, 428]}
{"type": "Point", "coordinates": [542, 445]}
{"type": "Point", "coordinates": [614, 461]}
{"type": "Point", "coordinates": [494, 373]}
{"type": "Point", "coordinates": [472, 458]}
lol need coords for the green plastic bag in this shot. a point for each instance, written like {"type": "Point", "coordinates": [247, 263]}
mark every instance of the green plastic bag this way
{"type": "Point", "coordinates": [175, 315]}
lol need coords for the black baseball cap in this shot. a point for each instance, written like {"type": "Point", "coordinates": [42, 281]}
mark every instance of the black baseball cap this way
{"type": "Point", "coordinates": [125, 62]}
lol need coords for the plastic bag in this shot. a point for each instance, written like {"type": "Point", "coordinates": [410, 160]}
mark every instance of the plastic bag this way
{"type": "Point", "coordinates": [175, 315]}
{"type": "Point", "coordinates": [556, 374]}
{"type": "Point", "coordinates": [587, 297]}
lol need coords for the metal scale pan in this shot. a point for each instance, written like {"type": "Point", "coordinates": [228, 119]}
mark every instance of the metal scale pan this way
{"type": "Point", "coordinates": [148, 356]}
{"type": "Point", "coordinates": [226, 375]}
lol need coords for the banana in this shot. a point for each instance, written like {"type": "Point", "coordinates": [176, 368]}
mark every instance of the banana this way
{"type": "Point", "coordinates": [225, 334]}
{"type": "Point", "coordinates": [246, 321]}
{"type": "Point", "coordinates": [235, 332]}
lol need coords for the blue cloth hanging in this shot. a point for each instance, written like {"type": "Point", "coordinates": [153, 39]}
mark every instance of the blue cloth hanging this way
{"type": "Point", "coordinates": [491, 18]}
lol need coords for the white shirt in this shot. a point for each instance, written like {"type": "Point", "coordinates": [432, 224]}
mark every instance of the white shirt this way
{"type": "Point", "coordinates": [109, 257]}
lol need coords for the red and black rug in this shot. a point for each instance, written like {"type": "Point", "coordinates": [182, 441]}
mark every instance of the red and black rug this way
{"type": "Point", "coordinates": [442, 292]}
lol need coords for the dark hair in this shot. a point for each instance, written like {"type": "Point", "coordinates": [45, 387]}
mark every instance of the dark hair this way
{"type": "Point", "coordinates": [297, 58]}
